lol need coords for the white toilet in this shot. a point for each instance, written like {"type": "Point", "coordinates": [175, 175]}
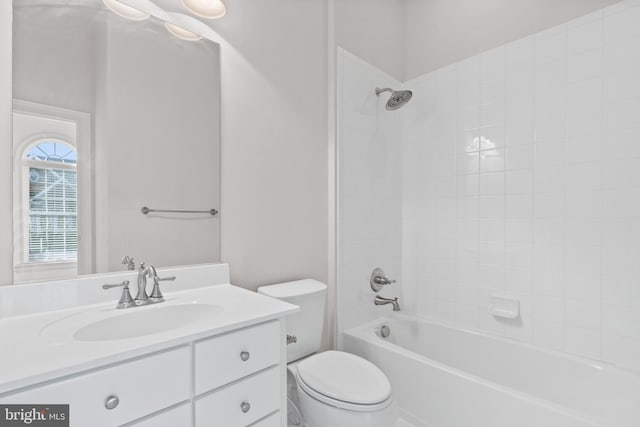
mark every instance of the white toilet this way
{"type": "Point", "coordinates": [334, 388]}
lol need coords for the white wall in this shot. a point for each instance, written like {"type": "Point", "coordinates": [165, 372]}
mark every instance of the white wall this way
{"type": "Point", "coordinates": [6, 149]}
{"type": "Point", "coordinates": [522, 178]}
{"type": "Point", "coordinates": [59, 70]}
{"type": "Point", "coordinates": [369, 203]}
{"type": "Point", "coordinates": [373, 30]}
{"type": "Point", "coordinates": [274, 156]}
{"type": "Point", "coordinates": [440, 32]}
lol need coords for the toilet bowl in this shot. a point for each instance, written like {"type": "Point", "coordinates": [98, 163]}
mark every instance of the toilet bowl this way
{"type": "Point", "coordinates": [336, 389]}
{"type": "Point", "coordinates": [332, 388]}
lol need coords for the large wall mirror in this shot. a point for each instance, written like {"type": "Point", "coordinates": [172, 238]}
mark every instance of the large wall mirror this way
{"type": "Point", "coordinates": [111, 115]}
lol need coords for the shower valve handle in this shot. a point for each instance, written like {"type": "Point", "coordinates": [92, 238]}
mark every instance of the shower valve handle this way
{"type": "Point", "coordinates": [383, 280]}
{"type": "Point", "coordinates": [379, 279]}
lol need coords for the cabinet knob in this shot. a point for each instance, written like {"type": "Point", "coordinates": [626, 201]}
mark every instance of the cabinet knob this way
{"type": "Point", "coordinates": [245, 406]}
{"type": "Point", "coordinates": [111, 402]}
{"type": "Point", "coordinates": [244, 356]}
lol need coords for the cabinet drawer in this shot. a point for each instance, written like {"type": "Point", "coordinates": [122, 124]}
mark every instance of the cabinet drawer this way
{"type": "Point", "coordinates": [142, 386]}
{"type": "Point", "coordinates": [271, 421]}
{"type": "Point", "coordinates": [224, 408]}
{"type": "Point", "coordinates": [220, 360]}
{"type": "Point", "coordinates": [176, 417]}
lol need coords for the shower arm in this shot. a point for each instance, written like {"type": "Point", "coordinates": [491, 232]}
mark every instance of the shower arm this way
{"type": "Point", "coordinates": [386, 89]}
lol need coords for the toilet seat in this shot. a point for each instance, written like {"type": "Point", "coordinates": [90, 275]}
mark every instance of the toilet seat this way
{"type": "Point", "coordinates": [345, 381]}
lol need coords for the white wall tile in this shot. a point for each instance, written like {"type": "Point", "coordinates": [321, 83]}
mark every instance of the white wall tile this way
{"type": "Point", "coordinates": [548, 334]}
{"type": "Point", "coordinates": [520, 157]}
{"type": "Point", "coordinates": [550, 153]}
{"type": "Point", "coordinates": [624, 351]}
{"type": "Point", "coordinates": [623, 24]}
{"type": "Point", "coordinates": [550, 45]}
{"type": "Point", "coordinates": [584, 176]}
{"type": "Point", "coordinates": [550, 308]}
{"type": "Point", "coordinates": [549, 179]}
{"type": "Point", "coordinates": [585, 33]}
{"type": "Point", "coordinates": [519, 206]}
{"type": "Point", "coordinates": [622, 113]}
{"type": "Point", "coordinates": [621, 143]}
{"type": "Point", "coordinates": [582, 342]}
{"type": "Point", "coordinates": [583, 314]}
{"type": "Point", "coordinates": [520, 175]}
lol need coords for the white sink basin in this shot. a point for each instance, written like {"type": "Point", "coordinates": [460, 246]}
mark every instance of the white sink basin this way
{"type": "Point", "coordinates": [129, 323]}
{"type": "Point", "coordinates": [151, 321]}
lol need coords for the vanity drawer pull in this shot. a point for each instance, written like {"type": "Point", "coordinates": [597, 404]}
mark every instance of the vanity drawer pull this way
{"type": "Point", "coordinates": [245, 356]}
{"type": "Point", "coordinates": [245, 406]}
{"type": "Point", "coordinates": [111, 402]}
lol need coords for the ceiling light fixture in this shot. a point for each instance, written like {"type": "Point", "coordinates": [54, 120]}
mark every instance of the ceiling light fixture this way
{"type": "Point", "coordinates": [208, 9]}
{"type": "Point", "coordinates": [181, 33]}
{"type": "Point", "coordinates": [125, 10]}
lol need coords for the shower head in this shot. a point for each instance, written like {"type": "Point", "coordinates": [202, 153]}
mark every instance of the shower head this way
{"type": "Point", "coordinates": [397, 99]}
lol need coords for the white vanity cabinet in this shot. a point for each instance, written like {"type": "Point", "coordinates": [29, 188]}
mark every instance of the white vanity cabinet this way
{"type": "Point", "coordinates": [134, 389]}
{"type": "Point", "coordinates": [179, 416]}
{"type": "Point", "coordinates": [233, 379]}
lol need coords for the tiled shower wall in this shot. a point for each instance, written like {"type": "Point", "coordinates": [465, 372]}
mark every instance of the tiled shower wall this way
{"type": "Point", "coordinates": [521, 177]}
{"type": "Point", "coordinates": [370, 189]}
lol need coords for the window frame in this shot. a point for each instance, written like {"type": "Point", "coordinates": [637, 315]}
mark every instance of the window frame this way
{"type": "Point", "coordinates": [32, 271]}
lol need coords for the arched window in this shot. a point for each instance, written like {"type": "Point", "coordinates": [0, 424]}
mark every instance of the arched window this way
{"type": "Point", "coordinates": [50, 196]}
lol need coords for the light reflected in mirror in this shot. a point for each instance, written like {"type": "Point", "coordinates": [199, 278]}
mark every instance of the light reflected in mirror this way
{"type": "Point", "coordinates": [111, 115]}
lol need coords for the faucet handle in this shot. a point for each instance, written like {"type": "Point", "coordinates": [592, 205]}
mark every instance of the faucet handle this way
{"type": "Point", "coordinates": [379, 279]}
{"type": "Point", "coordinates": [156, 294]}
{"type": "Point", "coordinates": [125, 300]}
{"type": "Point", "coordinates": [124, 285]}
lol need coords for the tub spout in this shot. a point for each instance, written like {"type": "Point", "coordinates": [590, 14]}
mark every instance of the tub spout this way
{"type": "Point", "coordinates": [383, 301]}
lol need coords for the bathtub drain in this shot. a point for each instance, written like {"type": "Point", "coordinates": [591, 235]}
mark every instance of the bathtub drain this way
{"type": "Point", "coordinates": [385, 331]}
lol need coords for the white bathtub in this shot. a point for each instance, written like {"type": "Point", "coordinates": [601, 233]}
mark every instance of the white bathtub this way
{"type": "Point", "coordinates": [447, 377]}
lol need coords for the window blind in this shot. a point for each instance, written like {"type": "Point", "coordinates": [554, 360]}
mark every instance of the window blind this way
{"type": "Point", "coordinates": [53, 214]}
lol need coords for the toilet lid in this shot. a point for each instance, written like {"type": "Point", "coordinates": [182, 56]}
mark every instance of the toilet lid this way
{"type": "Point", "coordinates": [345, 377]}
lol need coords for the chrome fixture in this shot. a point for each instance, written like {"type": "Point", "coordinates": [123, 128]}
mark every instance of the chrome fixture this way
{"type": "Point", "coordinates": [384, 301]}
{"type": "Point", "coordinates": [141, 296]}
{"type": "Point", "coordinates": [125, 300]}
{"type": "Point", "coordinates": [129, 262]}
{"type": "Point", "coordinates": [156, 294]}
{"type": "Point", "coordinates": [112, 402]}
{"type": "Point", "coordinates": [397, 99]}
{"type": "Point", "coordinates": [379, 279]}
{"type": "Point", "coordinates": [385, 331]}
{"type": "Point", "coordinates": [145, 210]}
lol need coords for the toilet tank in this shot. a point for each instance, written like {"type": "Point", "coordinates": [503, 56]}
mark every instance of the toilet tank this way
{"type": "Point", "coordinates": [306, 325]}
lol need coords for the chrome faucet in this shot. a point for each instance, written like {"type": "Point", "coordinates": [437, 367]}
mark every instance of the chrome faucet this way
{"type": "Point", "coordinates": [384, 301]}
{"type": "Point", "coordinates": [142, 298]}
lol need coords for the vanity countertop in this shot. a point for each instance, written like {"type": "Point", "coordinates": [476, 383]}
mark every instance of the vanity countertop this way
{"type": "Point", "coordinates": [40, 347]}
